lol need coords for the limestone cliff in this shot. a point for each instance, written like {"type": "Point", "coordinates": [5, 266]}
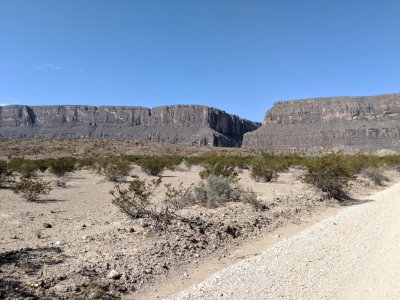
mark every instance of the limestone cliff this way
{"type": "Point", "coordinates": [350, 123]}
{"type": "Point", "coordinates": [190, 124]}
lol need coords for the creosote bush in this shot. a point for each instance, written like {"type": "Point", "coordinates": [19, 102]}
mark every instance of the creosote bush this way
{"type": "Point", "coordinates": [6, 176]}
{"type": "Point", "coordinates": [155, 165]}
{"type": "Point", "coordinates": [178, 198]}
{"type": "Point", "coordinates": [115, 168]}
{"type": "Point", "coordinates": [87, 162]}
{"type": "Point", "coordinates": [264, 170]}
{"type": "Point", "coordinates": [27, 168]}
{"type": "Point", "coordinates": [43, 165]}
{"type": "Point", "coordinates": [136, 199]}
{"type": "Point", "coordinates": [63, 165]}
{"type": "Point", "coordinates": [219, 169]}
{"type": "Point", "coordinates": [31, 189]}
{"type": "Point", "coordinates": [331, 174]}
{"type": "Point", "coordinates": [214, 191]}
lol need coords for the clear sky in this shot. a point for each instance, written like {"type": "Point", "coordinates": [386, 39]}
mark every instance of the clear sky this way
{"type": "Point", "coordinates": [237, 55]}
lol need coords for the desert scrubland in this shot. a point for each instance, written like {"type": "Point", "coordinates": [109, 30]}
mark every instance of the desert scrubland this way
{"type": "Point", "coordinates": [171, 211]}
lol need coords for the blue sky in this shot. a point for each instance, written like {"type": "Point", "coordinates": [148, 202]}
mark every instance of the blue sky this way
{"type": "Point", "coordinates": [237, 55]}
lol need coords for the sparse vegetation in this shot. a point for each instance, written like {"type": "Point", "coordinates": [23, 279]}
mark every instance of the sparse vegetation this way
{"type": "Point", "coordinates": [5, 174]}
{"type": "Point", "coordinates": [155, 165]}
{"type": "Point", "coordinates": [219, 169]}
{"type": "Point", "coordinates": [178, 198]}
{"type": "Point", "coordinates": [42, 165]}
{"type": "Point", "coordinates": [115, 168]}
{"type": "Point", "coordinates": [87, 162]}
{"type": "Point", "coordinates": [135, 200]}
{"type": "Point", "coordinates": [63, 165]}
{"type": "Point", "coordinates": [185, 222]}
{"type": "Point", "coordinates": [331, 174]}
{"type": "Point", "coordinates": [214, 191]}
{"type": "Point", "coordinates": [375, 174]}
{"type": "Point", "coordinates": [31, 189]}
{"type": "Point", "coordinates": [263, 170]}
{"type": "Point", "coordinates": [27, 168]}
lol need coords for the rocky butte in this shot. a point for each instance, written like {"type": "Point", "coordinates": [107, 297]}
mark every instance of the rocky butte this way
{"type": "Point", "coordinates": [189, 124]}
{"type": "Point", "coordinates": [349, 123]}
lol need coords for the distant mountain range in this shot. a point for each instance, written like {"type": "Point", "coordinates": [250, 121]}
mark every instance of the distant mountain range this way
{"type": "Point", "coordinates": [189, 124]}
{"type": "Point", "coordinates": [351, 123]}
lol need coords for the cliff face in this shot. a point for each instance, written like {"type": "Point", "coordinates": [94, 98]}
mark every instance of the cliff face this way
{"type": "Point", "coordinates": [348, 123]}
{"type": "Point", "coordinates": [191, 124]}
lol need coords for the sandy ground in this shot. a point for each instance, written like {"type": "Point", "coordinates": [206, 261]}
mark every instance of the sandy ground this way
{"type": "Point", "coordinates": [84, 207]}
{"type": "Point", "coordinates": [352, 255]}
{"type": "Point", "coordinates": [90, 238]}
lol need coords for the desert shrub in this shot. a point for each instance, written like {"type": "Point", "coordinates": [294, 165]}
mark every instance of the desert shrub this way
{"type": "Point", "coordinates": [250, 197]}
{"type": "Point", "coordinates": [43, 165]}
{"type": "Point", "coordinates": [214, 191]}
{"type": "Point", "coordinates": [15, 162]}
{"type": "Point", "coordinates": [5, 173]}
{"type": "Point", "coordinates": [219, 169]}
{"type": "Point", "coordinates": [63, 165]}
{"type": "Point", "coordinates": [391, 161]}
{"type": "Point", "coordinates": [87, 162]}
{"type": "Point", "coordinates": [375, 174]}
{"type": "Point", "coordinates": [178, 198]}
{"type": "Point", "coordinates": [265, 170]}
{"type": "Point", "coordinates": [115, 168]}
{"type": "Point", "coordinates": [3, 167]}
{"type": "Point", "coordinates": [132, 158]}
{"type": "Point", "coordinates": [329, 173]}
{"type": "Point", "coordinates": [31, 189]}
{"type": "Point", "coordinates": [155, 165]}
{"type": "Point", "coordinates": [360, 161]}
{"type": "Point", "coordinates": [27, 168]}
{"type": "Point", "coordinates": [171, 162]}
{"type": "Point", "coordinates": [135, 200]}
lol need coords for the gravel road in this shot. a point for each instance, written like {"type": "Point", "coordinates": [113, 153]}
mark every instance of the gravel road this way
{"type": "Point", "coordinates": [352, 255]}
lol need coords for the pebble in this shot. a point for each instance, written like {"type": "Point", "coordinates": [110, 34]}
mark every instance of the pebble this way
{"type": "Point", "coordinates": [113, 274]}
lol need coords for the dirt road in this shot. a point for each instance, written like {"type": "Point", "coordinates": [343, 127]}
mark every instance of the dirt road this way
{"type": "Point", "coordinates": [352, 255]}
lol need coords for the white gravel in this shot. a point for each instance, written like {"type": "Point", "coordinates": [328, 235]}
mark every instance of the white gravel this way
{"type": "Point", "coordinates": [352, 255]}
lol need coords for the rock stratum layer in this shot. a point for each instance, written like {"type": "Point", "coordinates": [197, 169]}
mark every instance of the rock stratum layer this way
{"type": "Point", "coordinates": [188, 124]}
{"type": "Point", "coordinates": [349, 123]}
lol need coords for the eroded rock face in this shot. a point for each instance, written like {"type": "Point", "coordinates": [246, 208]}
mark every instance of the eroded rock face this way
{"type": "Point", "coordinates": [349, 123]}
{"type": "Point", "coordinates": [191, 124]}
